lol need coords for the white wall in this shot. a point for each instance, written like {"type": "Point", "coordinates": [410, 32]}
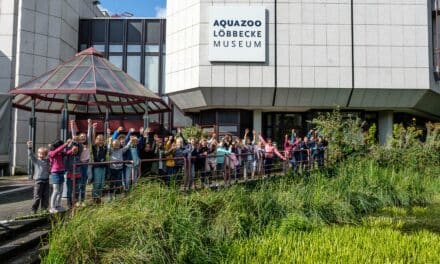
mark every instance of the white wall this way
{"type": "Point", "coordinates": [391, 44]}
{"type": "Point", "coordinates": [314, 65]}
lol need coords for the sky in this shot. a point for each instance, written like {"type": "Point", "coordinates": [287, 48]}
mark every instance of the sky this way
{"type": "Point", "coordinates": [139, 8]}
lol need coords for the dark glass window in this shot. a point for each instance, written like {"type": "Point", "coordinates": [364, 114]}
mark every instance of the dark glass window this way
{"type": "Point", "coordinates": [83, 31]}
{"type": "Point", "coordinates": [207, 117]}
{"type": "Point", "coordinates": [228, 117]}
{"type": "Point", "coordinates": [98, 31]}
{"type": "Point", "coordinates": [134, 31]}
{"type": "Point", "coordinates": [153, 32]}
{"type": "Point", "coordinates": [116, 31]}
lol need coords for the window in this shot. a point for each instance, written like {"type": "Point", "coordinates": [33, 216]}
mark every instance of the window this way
{"type": "Point", "coordinates": [134, 67]}
{"type": "Point", "coordinates": [116, 60]}
{"type": "Point", "coordinates": [152, 48]}
{"type": "Point", "coordinates": [227, 129]}
{"type": "Point", "coordinates": [152, 73]}
{"type": "Point", "coordinates": [227, 117]}
{"type": "Point", "coordinates": [98, 31]}
{"type": "Point", "coordinates": [163, 73]}
{"type": "Point", "coordinates": [99, 47]}
{"type": "Point", "coordinates": [134, 31]}
{"type": "Point", "coordinates": [207, 117]}
{"type": "Point", "coordinates": [115, 48]}
{"type": "Point", "coordinates": [133, 48]}
{"type": "Point", "coordinates": [153, 32]}
{"type": "Point", "coordinates": [436, 37]}
{"type": "Point", "coordinates": [116, 31]}
{"type": "Point", "coordinates": [84, 31]}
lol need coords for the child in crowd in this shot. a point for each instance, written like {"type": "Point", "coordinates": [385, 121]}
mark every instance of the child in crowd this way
{"type": "Point", "coordinates": [56, 157]}
{"type": "Point", "coordinates": [73, 175]}
{"type": "Point", "coordinates": [41, 177]}
{"type": "Point", "coordinates": [249, 149]}
{"type": "Point", "coordinates": [180, 152]}
{"type": "Point", "coordinates": [84, 141]}
{"type": "Point", "coordinates": [132, 153]}
{"type": "Point", "coordinates": [99, 152]}
{"type": "Point", "coordinates": [116, 152]}
{"type": "Point", "coordinates": [170, 164]}
{"type": "Point", "coordinates": [212, 160]}
{"type": "Point", "coordinates": [222, 150]}
{"type": "Point", "coordinates": [202, 162]}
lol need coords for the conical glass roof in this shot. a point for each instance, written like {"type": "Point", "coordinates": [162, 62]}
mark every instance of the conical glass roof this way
{"type": "Point", "coordinates": [91, 84]}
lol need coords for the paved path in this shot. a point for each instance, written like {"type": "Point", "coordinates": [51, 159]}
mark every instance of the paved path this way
{"type": "Point", "coordinates": [15, 196]}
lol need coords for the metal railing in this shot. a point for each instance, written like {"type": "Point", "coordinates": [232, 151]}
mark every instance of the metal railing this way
{"type": "Point", "coordinates": [186, 173]}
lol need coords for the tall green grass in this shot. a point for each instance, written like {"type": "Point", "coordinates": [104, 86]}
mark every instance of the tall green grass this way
{"type": "Point", "coordinates": [162, 225]}
{"type": "Point", "coordinates": [338, 244]}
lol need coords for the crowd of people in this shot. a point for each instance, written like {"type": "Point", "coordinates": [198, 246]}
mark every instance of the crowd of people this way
{"type": "Point", "coordinates": [113, 162]}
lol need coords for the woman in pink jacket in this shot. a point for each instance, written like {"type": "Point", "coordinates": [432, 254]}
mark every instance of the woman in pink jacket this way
{"type": "Point", "coordinates": [269, 151]}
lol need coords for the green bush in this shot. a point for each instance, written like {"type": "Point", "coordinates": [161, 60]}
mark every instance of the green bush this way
{"type": "Point", "coordinates": [343, 133]}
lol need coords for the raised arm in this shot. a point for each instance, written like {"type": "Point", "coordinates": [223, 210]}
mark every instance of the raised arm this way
{"type": "Point", "coordinates": [52, 153]}
{"type": "Point", "coordinates": [180, 134]}
{"type": "Point", "coordinates": [293, 136]}
{"type": "Point", "coordinates": [73, 128]}
{"type": "Point", "coordinates": [246, 132]}
{"type": "Point", "coordinates": [286, 142]}
{"type": "Point", "coordinates": [127, 138]}
{"type": "Point", "coordinates": [279, 154]}
{"type": "Point", "coordinates": [31, 153]}
{"type": "Point", "coordinates": [89, 131]}
{"type": "Point", "coordinates": [115, 135]}
{"type": "Point", "coordinates": [126, 147]}
{"type": "Point", "coordinates": [262, 139]}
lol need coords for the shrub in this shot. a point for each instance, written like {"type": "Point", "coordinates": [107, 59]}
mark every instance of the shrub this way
{"type": "Point", "coordinates": [343, 133]}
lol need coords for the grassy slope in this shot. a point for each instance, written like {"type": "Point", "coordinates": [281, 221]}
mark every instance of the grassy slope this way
{"type": "Point", "coordinates": [262, 223]}
{"type": "Point", "coordinates": [394, 235]}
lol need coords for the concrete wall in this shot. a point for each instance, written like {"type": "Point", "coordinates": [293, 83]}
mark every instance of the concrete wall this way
{"type": "Point", "coordinates": [392, 65]}
{"type": "Point", "coordinates": [46, 34]}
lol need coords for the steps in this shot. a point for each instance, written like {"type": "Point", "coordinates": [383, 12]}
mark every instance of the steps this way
{"type": "Point", "coordinates": [20, 240]}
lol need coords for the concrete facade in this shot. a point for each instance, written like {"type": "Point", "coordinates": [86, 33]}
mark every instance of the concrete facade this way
{"type": "Point", "coordinates": [378, 59]}
{"type": "Point", "coordinates": [36, 36]}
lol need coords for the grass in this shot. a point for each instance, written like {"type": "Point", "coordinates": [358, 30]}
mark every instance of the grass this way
{"type": "Point", "coordinates": [393, 235]}
{"type": "Point", "coordinates": [344, 214]}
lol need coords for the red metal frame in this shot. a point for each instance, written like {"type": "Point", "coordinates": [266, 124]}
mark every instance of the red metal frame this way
{"type": "Point", "coordinates": [43, 93]}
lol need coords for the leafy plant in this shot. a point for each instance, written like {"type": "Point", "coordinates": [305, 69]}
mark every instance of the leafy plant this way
{"type": "Point", "coordinates": [193, 132]}
{"type": "Point", "coordinates": [343, 133]}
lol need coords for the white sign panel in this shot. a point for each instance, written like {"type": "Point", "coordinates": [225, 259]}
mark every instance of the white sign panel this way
{"type": "Point", "coordinates": [237, 34]}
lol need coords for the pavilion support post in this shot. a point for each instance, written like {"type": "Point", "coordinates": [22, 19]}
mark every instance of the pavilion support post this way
{"type": "Point", "coordinates": [64, 120]}
{"type": "Point", "coordinates": [32, 137]}
{"type": "Point", "coordinates": [146, 117]}
{"type": "Point", "coordinates": [64, 131]}
{"type": "Point", "coordinates": [106, 125]}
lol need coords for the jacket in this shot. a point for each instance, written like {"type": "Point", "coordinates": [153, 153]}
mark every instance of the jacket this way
{"type": "Point", "coordinates": [41, 167]}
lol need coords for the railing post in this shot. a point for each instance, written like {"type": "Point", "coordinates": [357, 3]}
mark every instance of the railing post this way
{"type": "Point", "coordinates": [73, 197]}
{"type": "Point", "coordinates": [132, 174]}
{"type": "Point", "coordinates": [185, 170]}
